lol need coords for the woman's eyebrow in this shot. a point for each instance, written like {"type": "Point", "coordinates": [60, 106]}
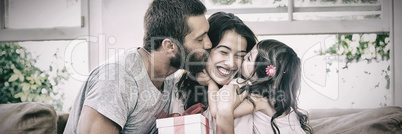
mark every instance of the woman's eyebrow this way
{"type": "Point", "coordinates": [241, 51]}
{"type": "Point", "coordinates": [224, 47]}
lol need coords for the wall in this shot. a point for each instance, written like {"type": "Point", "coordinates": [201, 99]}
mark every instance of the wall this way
{"type": "Point", "coordinates": [115, 26]}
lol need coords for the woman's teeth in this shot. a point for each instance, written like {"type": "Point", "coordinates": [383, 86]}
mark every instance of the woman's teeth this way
{"type": "Point", "coordinates": [224, 71]}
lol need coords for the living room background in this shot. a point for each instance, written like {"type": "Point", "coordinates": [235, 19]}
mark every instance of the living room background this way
{"type": "Point", "coordinates": [99, 29]}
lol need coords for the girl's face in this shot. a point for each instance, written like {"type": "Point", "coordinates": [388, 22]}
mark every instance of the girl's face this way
{"type": "Point", "coordinates": [248, 63]}
{"type": "Point", "coordinates": [226, 58]}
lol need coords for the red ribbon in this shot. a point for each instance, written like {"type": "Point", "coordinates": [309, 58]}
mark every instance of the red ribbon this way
{"type": "Point", "coordinates": [179, 119]}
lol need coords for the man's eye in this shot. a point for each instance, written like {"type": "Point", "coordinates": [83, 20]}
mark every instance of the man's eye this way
{"type": "Point", "coordinates": [200, 40]}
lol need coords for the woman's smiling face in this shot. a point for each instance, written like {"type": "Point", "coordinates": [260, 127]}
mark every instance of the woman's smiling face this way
{"type": "Point", "coordinates": [226, 58]}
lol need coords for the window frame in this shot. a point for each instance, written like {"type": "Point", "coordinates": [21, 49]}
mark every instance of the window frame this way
{"type": "Point", "coordinates": [44, 34]}
{"type": "Point", "coordinates": [292, 27]}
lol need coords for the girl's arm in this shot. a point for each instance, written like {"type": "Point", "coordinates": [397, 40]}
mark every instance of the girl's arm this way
{"type": "Point", "coordinates": [212, 98]}
{"type": "Point", "coordinates": [224, 122]}
{"type": "Point", "coordinates": [228, 101]}
{"type": "Point", "coordinates": [245, 107]}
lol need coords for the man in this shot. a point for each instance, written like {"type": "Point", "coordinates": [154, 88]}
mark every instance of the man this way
{"type": "Point", "coordinates": [125, 95]}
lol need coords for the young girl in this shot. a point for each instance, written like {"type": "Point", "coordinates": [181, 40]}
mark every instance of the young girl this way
{"type": "Point", "coordinates": [272, 75]}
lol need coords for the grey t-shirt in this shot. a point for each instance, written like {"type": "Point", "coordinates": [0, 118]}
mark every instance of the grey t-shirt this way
{"type": "Point", "coordinates": [122, 91]}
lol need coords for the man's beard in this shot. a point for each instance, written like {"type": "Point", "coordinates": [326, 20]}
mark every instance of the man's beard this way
{"type": "Point", "coordinates": [176, 61]}
{"type": "Point", "coordinates": [193, 64]}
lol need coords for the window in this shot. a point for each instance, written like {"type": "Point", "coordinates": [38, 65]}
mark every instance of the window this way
{"type": "Point", "coordinates": [51, 30]}
{"type": "Point", "coordinates": [337, 10]}
{"type": "Point", "coordinates": [309, 16]}
{"type": "Point", "coordinates": [42, 14]}
{"type": "Point", "coordinates": [22, 20]}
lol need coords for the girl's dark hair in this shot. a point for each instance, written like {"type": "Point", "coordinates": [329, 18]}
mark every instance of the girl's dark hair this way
{"type": "Point", "coordinates": [190, 91]}
{"type": "Point", "coordinates": [282, 89]}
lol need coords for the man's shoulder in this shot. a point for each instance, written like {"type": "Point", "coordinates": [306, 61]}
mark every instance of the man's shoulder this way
{"type": "Point", "coordinates": [130, 54]}
{"type": "Point", "coordinates": [126, 61]}
{"type": "Point", "coordinates": [118, 72]}
{"type": "Point", "coordinates": [132, 62]}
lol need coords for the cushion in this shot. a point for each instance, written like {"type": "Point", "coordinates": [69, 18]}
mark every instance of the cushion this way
{"type": "Point", "coordinates": [27, 118]}
{"type": "Point", "coordinates": [62, 118]}
{"type": "Point", "coordinates": [382, 120]}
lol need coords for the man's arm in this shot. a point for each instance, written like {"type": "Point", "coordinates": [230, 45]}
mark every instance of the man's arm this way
{"type": "Point", "coordinates": [92, 122]}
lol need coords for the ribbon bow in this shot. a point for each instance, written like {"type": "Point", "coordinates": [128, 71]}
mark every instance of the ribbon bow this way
{"type": "Point", "coordinates": [194, 109]}
{"type": "Point", "coordinates": [179, 119]}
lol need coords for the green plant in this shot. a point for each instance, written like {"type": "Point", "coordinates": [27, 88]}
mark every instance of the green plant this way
{"type": "Point", "coordinates": [223, 2]}
{"type": "Point", "coordinates": [361, 47]}
{"type": "Point", "coordinates": [22, 81]}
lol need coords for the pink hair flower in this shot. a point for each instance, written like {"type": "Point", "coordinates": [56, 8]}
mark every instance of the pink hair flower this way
{"type": "Point", "coordinates": [270, 70]}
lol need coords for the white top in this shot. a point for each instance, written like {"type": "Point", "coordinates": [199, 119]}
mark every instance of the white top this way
{"type": "Point", "coordinates": [288, 124]}
{"type": "Point", "coordinates": [260, 123]}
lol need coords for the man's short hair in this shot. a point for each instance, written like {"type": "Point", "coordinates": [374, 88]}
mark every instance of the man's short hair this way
{"type": "Point", "coordinates": [168, 19]}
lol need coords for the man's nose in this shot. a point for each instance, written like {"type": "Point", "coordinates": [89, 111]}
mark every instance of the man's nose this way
{"type": "Point", "coordinates": [207, 44]}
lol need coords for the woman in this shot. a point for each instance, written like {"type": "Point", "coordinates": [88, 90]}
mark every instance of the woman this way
{"type": "Point", "coordinates": [231, 40]}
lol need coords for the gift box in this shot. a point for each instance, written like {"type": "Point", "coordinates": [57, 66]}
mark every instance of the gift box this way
{"type": "Point", "coordinates": [187, 124]}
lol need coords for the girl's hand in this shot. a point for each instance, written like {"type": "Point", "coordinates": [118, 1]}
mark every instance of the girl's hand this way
{"type": "Point", "coordinates": [228, 99]}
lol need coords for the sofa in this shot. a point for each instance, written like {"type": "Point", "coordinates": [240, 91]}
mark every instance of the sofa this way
{"type": "Point", "coordinates": [39, 118]}
{"type": "Point", "coordinates": [31, 118]}
{"type": "Point", "coordinates": [383, 120]}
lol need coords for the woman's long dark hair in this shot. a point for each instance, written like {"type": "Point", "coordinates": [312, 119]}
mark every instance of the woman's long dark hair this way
{"type": "Point", "coordinates": [190, 91]}
{"type": "Point", "coordinates": [281, 89]}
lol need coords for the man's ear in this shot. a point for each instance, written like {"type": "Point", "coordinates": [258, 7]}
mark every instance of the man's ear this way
{"type": "Point", "coordinates": [168, 45]}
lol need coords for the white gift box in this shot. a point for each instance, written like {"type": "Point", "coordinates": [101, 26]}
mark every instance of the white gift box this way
{"type": "Point", "coordinates": [187, 124]}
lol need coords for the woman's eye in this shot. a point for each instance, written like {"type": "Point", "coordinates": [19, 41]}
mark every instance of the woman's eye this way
{"type": "Point", "coordinates": [248, 58]}
{"type": "Point", "coordinates": [240, 56]}
{"type": "Point", "coordinates": [224, 52]}
{"type": "Point", "coordinates": [200, 40]}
